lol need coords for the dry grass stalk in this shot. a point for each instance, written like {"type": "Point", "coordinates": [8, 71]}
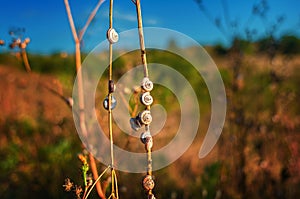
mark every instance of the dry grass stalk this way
{"type": "Point", "coordinates": [78, 40]}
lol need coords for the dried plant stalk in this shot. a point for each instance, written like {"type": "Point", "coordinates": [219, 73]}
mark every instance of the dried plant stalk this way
{"type": "Point", "coordinates": [25, 60]}
{"type": "Point", "coordinates": [80, 83]}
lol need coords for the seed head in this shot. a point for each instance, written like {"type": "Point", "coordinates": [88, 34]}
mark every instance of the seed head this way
{"type": "Point", "coordinates": [68, 185]}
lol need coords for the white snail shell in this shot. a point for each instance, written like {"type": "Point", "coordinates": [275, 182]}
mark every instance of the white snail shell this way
{"type": "Point", "coordinates": [146, 99]}
{"type": "Point", "coordinates": [147, 85]}
{"type": "Point", "coordinates": [112, 36]}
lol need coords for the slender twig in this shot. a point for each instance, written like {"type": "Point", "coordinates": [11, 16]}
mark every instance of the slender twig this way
{"type": "Point", "coordinates": [125, 102]}
{"type": "Point", "coordinates": [71, 21]}
{"type": "Point", "coordinates": [78, 66]}
{"type": "Point", "coordinates": [80, 84]}
{"type": "Point", "coordinates": [91, 17]}
{"type": "Point", "coordinates": [25, 60]}
{"type": "Point", "coordinates": [96, 182]}
{"type": "Point", "coordinates": [67, 100]}
{"type": "Point", "coordinates": [141, 37]}
{"type": "Point", "coordinates": [85, 192]}
{"type": "Point", "coordinates": [96, 176]}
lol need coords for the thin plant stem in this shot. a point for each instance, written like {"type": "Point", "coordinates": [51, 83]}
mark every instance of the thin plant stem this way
{"type": "Point", "coordinates": [96, 182]}
{"type": "Point", "coordinates": [116, 184]}
{"type": "Point", "coordinates": [125, 102]}
{"type": "Point", "coordinates": [71, 21]}
{"type": "Point", "coordinates": [91, 17]}
{"type": "Point", "coordinates": [136, 105]}
{"type": "Point", "coordinates": [95, 176]}
{"type": "Point", "coordinates": [141, 37]}
{"type": "Point", "coordinates": [80, 83]}
{"type": "Point", "coordinates": [25, 60]}
{"type": "Point", "coordinates": [85, 192]}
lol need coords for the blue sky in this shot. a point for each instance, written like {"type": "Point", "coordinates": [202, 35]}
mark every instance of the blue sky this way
{"type": "Point", "coordinates": [47, 25]}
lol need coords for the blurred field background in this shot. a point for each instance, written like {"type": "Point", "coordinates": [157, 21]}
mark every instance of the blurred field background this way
{"type": "Point", "coordinates": [256, 157]}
